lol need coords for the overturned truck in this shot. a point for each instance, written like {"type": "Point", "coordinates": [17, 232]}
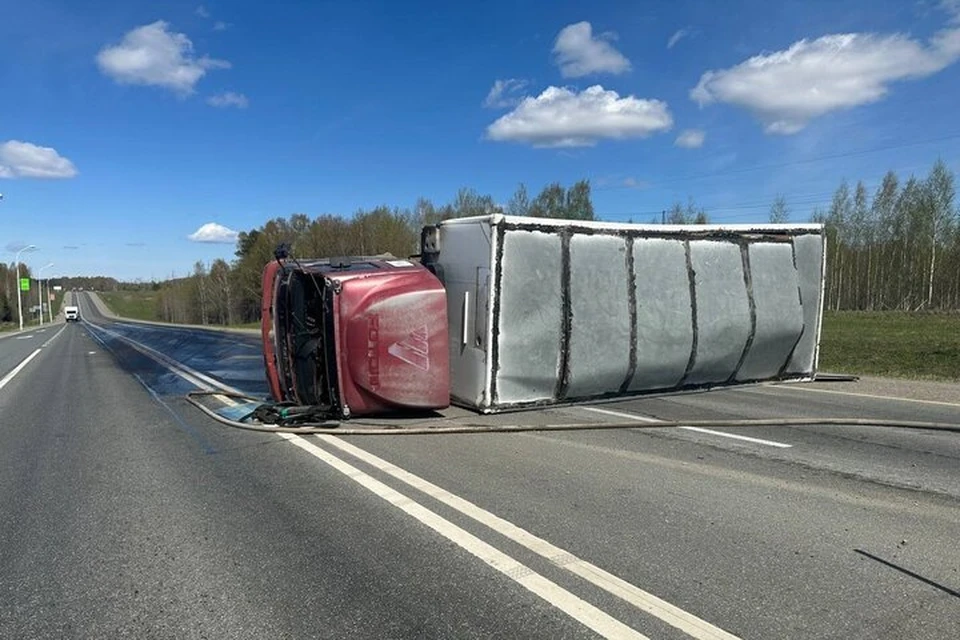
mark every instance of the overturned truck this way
{"type": "Point", "coordinates": [506, 313]}
{"type": "Point", "coordinates": [355, 336]}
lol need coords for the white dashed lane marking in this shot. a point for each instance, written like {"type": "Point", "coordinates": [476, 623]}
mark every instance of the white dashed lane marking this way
{"type": "Point", "coordinates": [722, 434]}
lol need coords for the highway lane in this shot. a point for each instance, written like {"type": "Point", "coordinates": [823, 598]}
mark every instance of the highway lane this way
{"type": "Point", "coordinates": [918, 459]}
{"type": "Point", "coordinates": [16, 347]}
{"type": "Point", "coordinates": [234, 358]}
{"type": "Point", "coordinates": [118, 485]}
{"type": "Point", "coordinates": [128, 517]}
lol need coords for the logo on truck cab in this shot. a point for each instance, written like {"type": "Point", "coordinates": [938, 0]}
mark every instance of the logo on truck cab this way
{"type": "Point", "coordinates": [414, 349]}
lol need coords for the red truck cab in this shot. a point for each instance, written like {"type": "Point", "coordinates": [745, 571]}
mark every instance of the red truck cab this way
{"type": "Point", "coordinates": [355, 336]}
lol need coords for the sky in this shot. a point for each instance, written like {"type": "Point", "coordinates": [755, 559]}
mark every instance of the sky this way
{"type": "Point", "coordinates": [138, 137]}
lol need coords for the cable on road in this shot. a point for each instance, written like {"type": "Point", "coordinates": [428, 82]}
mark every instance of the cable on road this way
{"type": "Point", "coordinates": [835, 377]}
{"type": "Point", "coordinates": [378, 429]}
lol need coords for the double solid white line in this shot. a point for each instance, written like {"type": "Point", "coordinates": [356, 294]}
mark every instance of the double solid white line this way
{"type": "Point", "coordinates": [584, 612]}
{"type": "Point", "coordinates": [643, 600]}
{"type": "Point", "coordinates": [587, 614]}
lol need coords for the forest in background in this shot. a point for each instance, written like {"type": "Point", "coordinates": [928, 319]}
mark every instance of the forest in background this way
{"type": "Point", "coordinates": [896, 248]}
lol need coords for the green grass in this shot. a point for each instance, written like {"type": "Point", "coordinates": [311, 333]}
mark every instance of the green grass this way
{"type": "Point", "coordinates": [893, 344]}
{"type": "Point", "coordinates": [142, 305]}
{"type": "Point", "coordinates": [137, 305]}
{"type": "Point", "coordinates": [58, 302]}
{"type": "Point", "coordinates": [245, 325]}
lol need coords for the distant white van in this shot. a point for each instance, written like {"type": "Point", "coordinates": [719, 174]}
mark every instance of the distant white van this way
{"type": "Point", "coordinates": [71, 313]}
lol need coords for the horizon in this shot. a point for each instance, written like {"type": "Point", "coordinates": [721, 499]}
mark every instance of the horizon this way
{"type": "Point", "coordinates": [141, 140]}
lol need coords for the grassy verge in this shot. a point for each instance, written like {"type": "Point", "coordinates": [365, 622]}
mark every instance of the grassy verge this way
{"type": "Point", "coordinates": [58, 302]}
{"type": "Point", "coordinates": [142, 305]}
{"type": "Point", "coordinates": [902, 345]}
{"type": "Point", "coordinates": [245, 325]}
{"type": "Point", "coordinates": [892, 344]}
{"type": "Point", "coordinates": [137, 305]}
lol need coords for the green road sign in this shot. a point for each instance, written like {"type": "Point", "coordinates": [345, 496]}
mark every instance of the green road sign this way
{"type": "Point", "coordinates": [24, 284]}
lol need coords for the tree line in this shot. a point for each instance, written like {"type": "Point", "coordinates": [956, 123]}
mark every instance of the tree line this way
{"type": "Point", "coordinates": [229, 293]}
{"type": "Point", "coordinates": [895, 249]}
{"type": "Point", "coordinates": [8, 292]}
{"type": "Point", "coordinates": [9, 286]}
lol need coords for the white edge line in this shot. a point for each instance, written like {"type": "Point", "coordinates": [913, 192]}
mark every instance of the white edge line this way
{"type": "Point", "coordinates": [560, 598]}
{"type": "Point", "coordinates": [17, 369]}
{"type": "Point", "coordinates": [873, 396]}
{"type": "Point", "coordinates": [195, 378]}
{"type": "Point", "coordinates": [734, 436]}
{"type": "Point", "coordinates": [54, 336]}
{"type": "Point", "coordinates": [643, 600]}
{"type": "Point", "coordinates": [7, 378]}
{"type": "Point", "coordinates": [618, 414]}
{"type": "Point", "coordinates": [173, 367]}
{"type": "Point", "coordinates": [582, 611]}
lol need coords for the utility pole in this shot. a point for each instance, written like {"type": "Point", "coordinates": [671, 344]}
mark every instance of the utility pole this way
{"type": "Point", "coordinates": [29, 247]}
{"type": "Point", "coordinates": [40, 289]}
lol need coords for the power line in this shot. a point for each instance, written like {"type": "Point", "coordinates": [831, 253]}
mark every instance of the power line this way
{"type": "Point", "coordinates": [716, 211]}
{"type": "Point", "coordinates": [781, 165]}
{"type": "Point", "coordinates": [800, 199]}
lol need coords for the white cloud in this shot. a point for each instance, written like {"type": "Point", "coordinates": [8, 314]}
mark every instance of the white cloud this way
{"type": "Point", "coordinates": [633, 183]}
{"type": "Point", "coordinates": [559, 117]}
{"type": "Point", "coordinates": [503, 93]}
{"type": "Point", "coordinates": [690, 139]}
{"type": "Point", "coordinates": [215, 233]}
{"type": "Point", "coordinates": [25, 160]}
{"type": "Point", "coordinates": [787, 89]}
{"type": "Point", "coordinates": [154, 55]}
{"type": "Point", "coordinates": [620, 182]}
{"type": "Point", "coordinates": [220, 25]}
{"type": "Point", "coordinates": [202, 12]}
{"type": "Point", "coordinates": [228, 99]}
{"type": "Point", "coordinates": [677, 37]}
{"type": "Point", "coordinates": [578, 53]}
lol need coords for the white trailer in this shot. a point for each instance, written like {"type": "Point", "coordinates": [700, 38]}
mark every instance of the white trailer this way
{"type": "Point", "coordinates": [546, 312]}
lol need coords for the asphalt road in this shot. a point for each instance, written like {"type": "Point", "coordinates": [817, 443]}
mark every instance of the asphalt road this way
{"type": "Point", "coordinates": [124, 512]}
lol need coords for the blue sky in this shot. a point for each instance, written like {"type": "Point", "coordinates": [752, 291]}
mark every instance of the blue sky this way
{"type": "Point", "coordinates": [125, 127]}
